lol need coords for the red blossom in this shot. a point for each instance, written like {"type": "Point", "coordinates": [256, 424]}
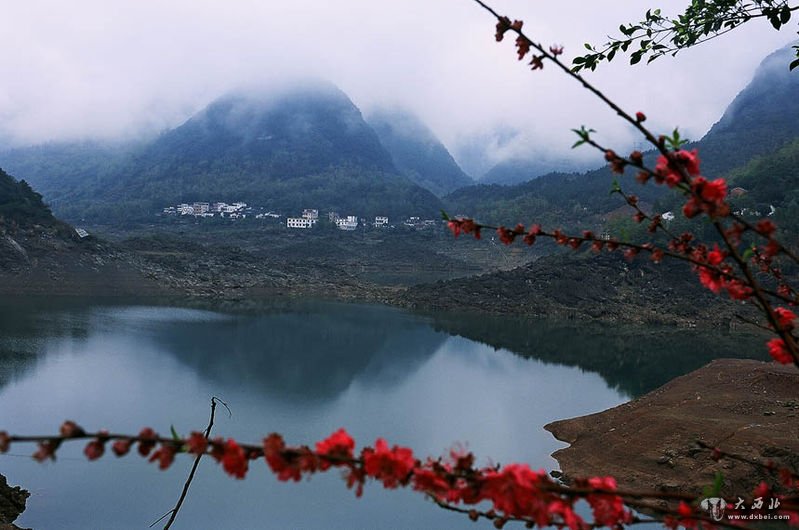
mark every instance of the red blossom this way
{"type": "Point", "coordinates": [771, 249]}
{"type": "Point", "coordinates": [391, 466]}
{"type": "Point", "coordinates": [467, 226]}
{"type": "Point", "coordinates": [556, 50]}
{"type": "Point", "coordinates": [431, 481]}
{"type": "Point", "coordinates": [710, 279]}
{"type": "Point", "coordinates": [640, 116]}
{"type": "Point", "coordinates": [197, 443]}
{"type": "Point", "coordinates": [779, 351]}
{"type": "Point", "coordinates": [338, 445]}
{"type": "Point", "coordinates": [738, 290]}
{"type": "Point", "coordinates": [94, 449]}
{"type": "Point", "coordinates": [630, 254]}
{"type": "Point", "coordinates": [275, 455]}
{"type": "Point", "coordinates": [164, 455]}
{"type": "Point", "coordinates": [234, 460]}
{"type": "Point", "coordinates": [766, 227]}
{"type": "Point", "coordinates": [46, 450]}
{"type": "Point", "coordinates": [668, 167]}
{"type": "Point", "coordinates": [503, 25]}
{"type": "Point", "coordinates": [506, 235]}
{"type": "Point", "coordinates": [762, 490]}
{"type": "Point", "coordinates": [148, 441]}
{"type": "Point", "coordinates": [715, 256]}
{"type": "Point", "coordinates": [608, 509]}
{"type": "Point", "coordinates": [785, 318]}
{"type": "Point", "coordinates": [455, 226]}
{"type": "Point", "coordinates": [537, 63]}
{"type": "Point", "coordinates": [121, 447]}
{"type": "Point", "coordinates": [515, 491]}
{"type": "Point", "coordinates": [70, 429]}
{"type": "Point", "coordinates": [522, 46]}
{"type": "Point", "coordinates": [564, 510]}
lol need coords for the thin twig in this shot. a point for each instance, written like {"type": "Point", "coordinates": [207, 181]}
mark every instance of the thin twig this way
{"type": "Point", "coordinates": [173, 513]}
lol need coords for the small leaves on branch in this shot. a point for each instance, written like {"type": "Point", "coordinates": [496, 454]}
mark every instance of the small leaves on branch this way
{"type": "Point", "coordinates": [657, 35]}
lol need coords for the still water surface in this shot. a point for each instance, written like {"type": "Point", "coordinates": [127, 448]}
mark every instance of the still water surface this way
{"type": "Point", "coordinates": [303, 370]}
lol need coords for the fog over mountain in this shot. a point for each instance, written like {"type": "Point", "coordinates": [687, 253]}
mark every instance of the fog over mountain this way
{"type": "Point", "coordinates": [288, 148]}
{"type": "Point", "coordinates": [102, 70]}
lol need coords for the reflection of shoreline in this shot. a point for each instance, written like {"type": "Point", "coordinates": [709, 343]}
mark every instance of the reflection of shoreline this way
{"type": "Point", "coordinates": [632, 359]}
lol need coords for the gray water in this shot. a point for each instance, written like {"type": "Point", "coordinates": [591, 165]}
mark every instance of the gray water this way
{"type": "Point", "coordinates": [303, 370]}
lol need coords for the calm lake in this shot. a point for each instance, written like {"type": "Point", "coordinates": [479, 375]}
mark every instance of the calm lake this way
{"type": "Point", "coordinates": [304, 370]}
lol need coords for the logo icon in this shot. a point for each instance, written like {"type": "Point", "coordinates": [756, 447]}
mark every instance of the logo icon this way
{"type": "Point", "coordinates": [715, 506]}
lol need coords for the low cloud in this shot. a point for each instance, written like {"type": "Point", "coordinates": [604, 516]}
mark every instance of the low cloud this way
{"type": "Point", "coordinates": [98, 69]}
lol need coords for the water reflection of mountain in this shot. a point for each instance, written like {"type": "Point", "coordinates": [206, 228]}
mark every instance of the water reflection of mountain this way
{"type": "Point", "coordinates": [633, 360]}
{"type": "Point", "coordinates": [315, 351]}
{"type": "Point", "coordinates": [26, 324]}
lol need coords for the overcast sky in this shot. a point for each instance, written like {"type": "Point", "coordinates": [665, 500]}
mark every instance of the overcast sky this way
{"type": "Point", "coordinates": [117, 68]}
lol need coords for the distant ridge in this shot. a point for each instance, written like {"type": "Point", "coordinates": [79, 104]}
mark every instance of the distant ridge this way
{"type": "Point", "coordinates": [416, 152]}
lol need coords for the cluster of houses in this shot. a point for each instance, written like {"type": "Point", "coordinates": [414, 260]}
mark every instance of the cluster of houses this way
{"type": "Point", "coordinates": [236, 210]}
{"type": "Point", "coordinates": [308, 219]}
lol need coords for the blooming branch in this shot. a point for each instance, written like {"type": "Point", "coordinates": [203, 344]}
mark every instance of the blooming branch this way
{"type": "Point", "coordinates": [515, 492]}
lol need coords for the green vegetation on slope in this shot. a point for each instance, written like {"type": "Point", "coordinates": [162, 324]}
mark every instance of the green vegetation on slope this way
{"type": "Point", "coordinates": [20, 205]}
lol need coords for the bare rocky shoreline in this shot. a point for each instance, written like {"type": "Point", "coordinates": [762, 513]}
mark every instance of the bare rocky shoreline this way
{"type": "Point", "coordinates": [743, 407]}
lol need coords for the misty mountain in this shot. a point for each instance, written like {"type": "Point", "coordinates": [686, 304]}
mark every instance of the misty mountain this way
{"type": "Point", "coordinates": [304, 148]}
{"type": "Point", "coordinates": [57, 169]}
{"type": "Point", "coordinates": [762, 119]}
{"type": "Point", "coordinates": [417, 153]}
{"type": "Point", "coordinates": [518, 170]}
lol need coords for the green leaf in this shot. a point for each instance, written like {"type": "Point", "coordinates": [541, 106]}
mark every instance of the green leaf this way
{"type": "Point", "coordinates": [588, 46]}
{"type": "Point", "coordinates": [444, 215]}
{"type": "Point", "coordinates": [175, 435]}
{"type": "Point", "coordinates": [793, 64]}
{"type": "Point", "coordinates": [714, 489]}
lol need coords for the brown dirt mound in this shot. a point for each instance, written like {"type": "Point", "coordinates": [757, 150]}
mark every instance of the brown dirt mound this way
{"type": "Point", "coordinates": [748, 408]}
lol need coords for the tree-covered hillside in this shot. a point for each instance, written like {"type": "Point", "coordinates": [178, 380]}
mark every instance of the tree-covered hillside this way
{"type": "Point", "coordinates": [20, 205]}
{"type": "Point", "coordinates": [307, 147]}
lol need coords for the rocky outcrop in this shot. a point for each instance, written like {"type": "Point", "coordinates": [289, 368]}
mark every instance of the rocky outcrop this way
{"type": "Point", "coordinates": [12, 504]}
{"type": "Point", "coordinates": [747, 408]}
{"type": "Point", "coordinates": [602, 287]}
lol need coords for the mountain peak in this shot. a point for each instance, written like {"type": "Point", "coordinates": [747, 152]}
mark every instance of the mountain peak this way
{"type": "Point", "coordinates": [762, 118]}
